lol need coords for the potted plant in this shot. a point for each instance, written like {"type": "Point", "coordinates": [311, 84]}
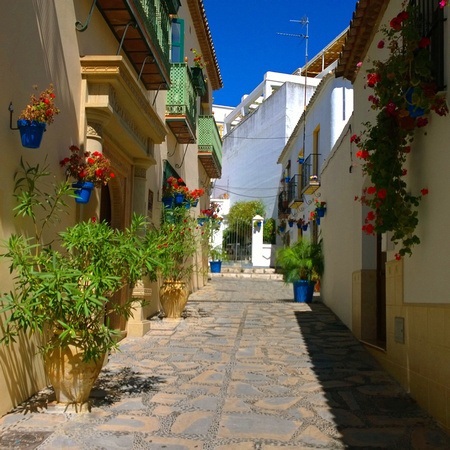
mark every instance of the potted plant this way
{"type": "Point", "coordinates": [302, 265]}
{"type": "Point", "coordinates": [33, 120]}
{"type": "Point", "coordinates": [89, 169]}
{"type": "Point", "coordinates": [178, 244]}
{"type": "Point", "coordinates": [282, 226]}
{"type": "Point", "coordinates": [303, 224]}
{"type": "Point", "coordinates": [62, 291]}
{"type": "Point", "coordinates": [216, 255]}
{"type": "Point", "coordinates": [192, 197]}
{"type": "Point", "coordinates": [320, 208]}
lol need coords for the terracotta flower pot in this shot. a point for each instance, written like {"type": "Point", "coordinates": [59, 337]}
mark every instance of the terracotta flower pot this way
{"type": "Point", "coordinates": [71, 377]}
{"type": "Point", "coordinates": [173, 296]}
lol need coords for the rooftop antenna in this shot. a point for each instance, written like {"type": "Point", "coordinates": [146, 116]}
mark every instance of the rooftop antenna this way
{"type": "Point", "coordinates": [304, 22]}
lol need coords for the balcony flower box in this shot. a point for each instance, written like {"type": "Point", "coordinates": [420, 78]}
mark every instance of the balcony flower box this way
{"type": "Point", "coordinates": [198, 80]}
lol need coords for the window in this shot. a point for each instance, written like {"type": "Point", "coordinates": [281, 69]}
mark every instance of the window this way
{"type": "Point", "coordinates": [177, 52]}
{"type": "Point", "coordinates": [433, 27]}
{"type": "Point", "coordinates": [315, 154]}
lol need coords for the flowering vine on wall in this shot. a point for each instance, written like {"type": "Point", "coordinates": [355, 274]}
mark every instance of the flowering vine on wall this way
{"type": "Point", "coordinates": [404, 93]}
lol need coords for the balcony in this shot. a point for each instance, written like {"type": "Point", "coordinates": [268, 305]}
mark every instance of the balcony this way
{"type": "Point", "coordinates": [181, 105]}
{"type": "Point", "coordinates": [295, 197]}
{"type": "Point", "coordinates": [144, 28]}
{"type": "Point", "coordinates": [310, 179]}
{"type": "Point", "coordinates": [283, 203]}
{"type": "Point", "coordinates": [209, 146]}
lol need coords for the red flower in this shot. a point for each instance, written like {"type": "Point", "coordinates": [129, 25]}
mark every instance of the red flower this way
{"type": "Point", "coordinates": [421, 122]}
{"type": "Point", "coordinates": [371, 190]}
{"type": "Point", "coordinates": [368, 228]}
{"type": "Point", "coordinates": [407, 149]}
{"type": "Point", "coordinates": [370, 216]}
{"type": "Point", "coordinates": [381, 44]}
{"type": "Point", "coordinates": [382, 193]}
{"type": "Point", "coordinates": [373, 79]}
{"type": "Point", "coordinates": [90, 161]}
{"type": "Point", "coordinates": [398, 257]}
{"type": "Point", "coordinates": [396, 24]}
{"type": "Point", "coordinates": [354, 138]}
{"type": "Point", "coordinates": [374, 100]}
{"type": "Point", "coordinates": [391, 108]}
{"type": "Point", "coordinates": [424, 42]}
{"type": "Point", "coordinates": [424, 191]}
{"type": "Point", "coordinates": [362, 154]}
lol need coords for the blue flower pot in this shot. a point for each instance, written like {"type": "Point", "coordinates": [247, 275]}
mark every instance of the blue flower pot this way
{"type": "Point", "coordinates": [167, 202]}
{"type": "Point", "coordinates": [320, 212]}
{"type": "Point", "coordinates": [31, 132]}
{"type": "Point", "coordinates": [178, 199]}
{"type": "Point", "coordinates": [215, 266]}
{"type": "Point", "coordinates": [303, 291]}
{"type": "Point", "coordinates": [83, 190]}
{"type": "Point", "coordinates": [414, 111]}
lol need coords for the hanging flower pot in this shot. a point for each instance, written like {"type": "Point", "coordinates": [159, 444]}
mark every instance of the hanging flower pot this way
{"type": "Point", "coordinates": [178, 198]}
{"type": "Point", "coordinates": [320, 211]}
{"type": "Point", "coordinates": [83, 190]}
{"type": "Point", "coordinates": [301, 160]}
{"type": "Point", "coordinates": [31, 132]}
{"type": "Point", "coordinates": [305, 227]}
{"type": "Point", "coordinates": [167, 202]}
{"type": "Point", "coordinates": [414, 110]}
{"type": "Point", "coordinates": [291, 223]}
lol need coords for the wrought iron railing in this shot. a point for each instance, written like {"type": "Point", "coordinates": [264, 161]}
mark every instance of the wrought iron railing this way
{"type": "Point", "coordinates": [157, 23]}
{"type": "Point", "coordinates": [181, 97]}
{"type": "Point", "coordinates": [209, 137]}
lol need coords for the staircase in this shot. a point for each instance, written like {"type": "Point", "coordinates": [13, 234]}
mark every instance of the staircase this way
{"type": "Point", "coordinates": [237, 270]}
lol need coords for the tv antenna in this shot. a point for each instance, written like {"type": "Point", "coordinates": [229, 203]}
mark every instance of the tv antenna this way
{"type": "Point", "coordinates": [305, 23]}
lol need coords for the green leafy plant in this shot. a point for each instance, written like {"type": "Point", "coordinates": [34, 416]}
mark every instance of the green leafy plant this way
{"type": "Point", "coordinates": [404, 93]}
{"type": "Point", "coordinates": [179, 241]}
{"type": "Point", "coordinates": [62, 291]}
{"type": "Point", "coordinates": [301, 261]}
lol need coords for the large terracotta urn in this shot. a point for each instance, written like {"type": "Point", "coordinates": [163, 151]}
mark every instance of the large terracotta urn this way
{"type": "Point", "coordinates": [71, 377]}
{"type": "Point", "coordinates": [173, 296]}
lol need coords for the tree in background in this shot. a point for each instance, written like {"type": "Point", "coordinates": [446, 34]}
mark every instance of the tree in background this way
{"type": "Point", "coordinates": [239, 223]}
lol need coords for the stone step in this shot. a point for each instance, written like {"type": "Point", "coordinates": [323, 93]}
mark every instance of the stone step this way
{"type": "Point", "coordinates": [248, 274]}
{"type": "Point", "coordinates": [239, 269]}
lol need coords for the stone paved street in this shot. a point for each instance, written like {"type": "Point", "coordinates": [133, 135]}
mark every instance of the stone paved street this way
{"type": "Point", "coordinates": [247, 368]}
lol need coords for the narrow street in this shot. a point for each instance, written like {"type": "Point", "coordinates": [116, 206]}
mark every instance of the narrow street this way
{"type": "Point", "coordinates": [247, 368]}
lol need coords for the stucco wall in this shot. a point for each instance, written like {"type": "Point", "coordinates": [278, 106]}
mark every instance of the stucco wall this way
{"type": "Point", "coordinates": [251, 149]}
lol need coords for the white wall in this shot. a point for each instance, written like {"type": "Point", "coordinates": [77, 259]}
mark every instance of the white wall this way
{"type": "Point", "coordinates": [251, 149]}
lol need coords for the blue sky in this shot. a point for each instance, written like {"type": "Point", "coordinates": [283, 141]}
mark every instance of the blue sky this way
{"type": "Point", "coordinates": [247, 45]}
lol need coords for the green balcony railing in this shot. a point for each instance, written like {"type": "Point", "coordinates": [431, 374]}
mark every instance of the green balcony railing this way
{"type": "Point", "coordinates": [210, 146]}
{"type": "Point", "coordinates": [157, 21]}
{"type": "Point", "coordinates": [181, 104]}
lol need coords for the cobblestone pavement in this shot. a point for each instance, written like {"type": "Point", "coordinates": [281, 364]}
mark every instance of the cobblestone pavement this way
{"type": "Point", "coordinates": [247, 368]}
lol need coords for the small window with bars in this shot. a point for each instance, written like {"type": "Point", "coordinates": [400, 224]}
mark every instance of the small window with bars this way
{"type": "Point", "coordinates": [432, 23]}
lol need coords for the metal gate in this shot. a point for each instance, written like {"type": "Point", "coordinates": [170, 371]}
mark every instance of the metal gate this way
{"type": "Point", "coordinates": [237, 242]}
